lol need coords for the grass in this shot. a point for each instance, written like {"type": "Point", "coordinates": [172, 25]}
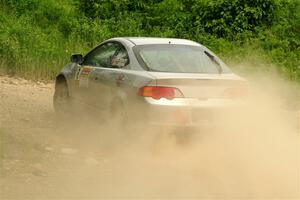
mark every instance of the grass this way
{"type": "Point", "coordinates": [38, 37]}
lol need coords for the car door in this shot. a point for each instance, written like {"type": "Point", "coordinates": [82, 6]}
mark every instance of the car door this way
{"type": "Point", "coordinates": [92, 79]}
{"type": "Point", "coordinates": [110, 74]}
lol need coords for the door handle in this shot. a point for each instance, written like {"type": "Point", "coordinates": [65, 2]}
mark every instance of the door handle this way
{"type": "Point", "coordinates": [120, 78]}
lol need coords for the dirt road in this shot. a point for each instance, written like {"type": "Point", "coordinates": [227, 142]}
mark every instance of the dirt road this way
{"type": "Point", "coordinates": [42, 159]}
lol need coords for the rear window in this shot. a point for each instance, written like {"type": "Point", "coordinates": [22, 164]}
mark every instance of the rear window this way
{"type": "Point", "coordinates": [179, 58]}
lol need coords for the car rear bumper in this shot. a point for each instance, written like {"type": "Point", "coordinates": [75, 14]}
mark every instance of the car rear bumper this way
{"type": "Point", "coordinates": [189, 112]}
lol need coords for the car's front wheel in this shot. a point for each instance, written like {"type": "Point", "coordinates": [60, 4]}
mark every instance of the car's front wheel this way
{"type": "Point", "coordinates": [61, 98]}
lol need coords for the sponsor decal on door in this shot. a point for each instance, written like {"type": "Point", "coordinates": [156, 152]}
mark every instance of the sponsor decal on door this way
{"type": "Point", "coordinates": [82, 80]}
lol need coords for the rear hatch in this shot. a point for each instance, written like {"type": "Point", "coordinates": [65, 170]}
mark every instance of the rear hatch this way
{"type": "Point", "coordinates": [202, 86]}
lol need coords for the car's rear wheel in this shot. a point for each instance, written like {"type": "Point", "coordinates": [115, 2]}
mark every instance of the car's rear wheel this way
{"type": "Point", "coordinates": [118, 114]}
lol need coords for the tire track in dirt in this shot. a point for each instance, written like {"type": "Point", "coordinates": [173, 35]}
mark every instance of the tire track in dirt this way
{"type": "Point", "coordinates": [35, 156]}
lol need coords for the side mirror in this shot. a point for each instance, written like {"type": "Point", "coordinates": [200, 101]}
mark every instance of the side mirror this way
{"type": "Point", "coordinates": [77, 58]}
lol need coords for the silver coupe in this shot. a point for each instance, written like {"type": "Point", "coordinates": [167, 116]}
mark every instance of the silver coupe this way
{"type": "Point", "coordinates": [160, 81]}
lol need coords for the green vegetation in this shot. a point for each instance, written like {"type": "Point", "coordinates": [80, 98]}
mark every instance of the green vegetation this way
{"type": "Point", "coordinates": [38, 36]}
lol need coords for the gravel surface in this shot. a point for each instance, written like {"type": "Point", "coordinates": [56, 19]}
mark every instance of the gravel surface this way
{"type": "Point", "coordinates": [43, 158]}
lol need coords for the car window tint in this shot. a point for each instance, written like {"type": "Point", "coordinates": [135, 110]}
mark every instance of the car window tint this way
{"type": "Point", "coordinates": [102, 56]}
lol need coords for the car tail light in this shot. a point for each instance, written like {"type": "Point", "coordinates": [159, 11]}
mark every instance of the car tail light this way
{"type": "Point", "coordinates": [158, 92]}
{"type": "Point", "coordinates": [236, 93]}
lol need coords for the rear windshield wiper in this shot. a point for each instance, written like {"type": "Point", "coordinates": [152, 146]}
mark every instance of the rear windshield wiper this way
{"type": "Point", "coordinates": [213, 58]}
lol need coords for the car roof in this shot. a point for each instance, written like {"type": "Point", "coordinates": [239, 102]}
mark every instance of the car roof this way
{"type": "Point", "coordinates": [153, 40]}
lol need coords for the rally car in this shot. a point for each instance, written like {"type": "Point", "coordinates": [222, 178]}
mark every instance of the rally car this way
{"type": "Point", "coordinates": [160, 81]}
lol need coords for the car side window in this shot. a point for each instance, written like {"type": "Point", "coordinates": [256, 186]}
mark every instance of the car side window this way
{"type": "Point", "coordinates": [108, 55]}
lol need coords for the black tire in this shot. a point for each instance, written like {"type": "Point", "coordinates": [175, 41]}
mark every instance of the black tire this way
{"type": "Point", "coordinates": [61, 98]}
{"type": "Point", "coordinates": [119, 118]}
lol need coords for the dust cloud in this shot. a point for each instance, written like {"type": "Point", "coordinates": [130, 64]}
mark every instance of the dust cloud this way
{"type": "Point", "coordinates": [253, 153]}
